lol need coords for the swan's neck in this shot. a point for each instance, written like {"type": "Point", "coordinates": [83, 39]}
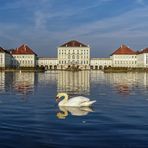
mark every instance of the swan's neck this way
{"type": "Point", "coordinates": [64, 101]}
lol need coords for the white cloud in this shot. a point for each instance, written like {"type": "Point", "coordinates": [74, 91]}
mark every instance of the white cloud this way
{"type": "Point", "coordinates": [133, 23]}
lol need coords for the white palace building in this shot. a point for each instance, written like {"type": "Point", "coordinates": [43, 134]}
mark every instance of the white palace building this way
{"type": "Point", "coordinates": [73, 54]}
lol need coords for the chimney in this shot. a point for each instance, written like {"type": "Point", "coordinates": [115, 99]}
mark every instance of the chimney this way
{"type": "Point", "coordinates": [25, 47]}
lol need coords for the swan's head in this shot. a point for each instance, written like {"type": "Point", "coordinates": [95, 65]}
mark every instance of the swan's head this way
{"type": "Point", "coordinates": [60, 96]}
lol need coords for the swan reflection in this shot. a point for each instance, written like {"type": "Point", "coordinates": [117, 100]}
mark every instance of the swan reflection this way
{"type": "Point", "coordinates": [75, 111]}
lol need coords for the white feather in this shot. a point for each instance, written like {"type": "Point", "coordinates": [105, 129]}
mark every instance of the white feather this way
{"type": "Point", "coordinates": [78, 101]}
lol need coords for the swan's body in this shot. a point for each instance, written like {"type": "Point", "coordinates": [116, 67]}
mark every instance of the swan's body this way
{"type": "Point", "coordinates": [78, 101]}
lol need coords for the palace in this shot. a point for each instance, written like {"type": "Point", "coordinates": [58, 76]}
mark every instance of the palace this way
{"type": "Point", "coordinates": [73, 54]}
{"type": "Point", "coordinates": [23, 57]}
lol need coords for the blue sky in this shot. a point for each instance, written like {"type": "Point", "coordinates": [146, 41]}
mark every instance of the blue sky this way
{"type": "Point", "coordinates": [46, 24]}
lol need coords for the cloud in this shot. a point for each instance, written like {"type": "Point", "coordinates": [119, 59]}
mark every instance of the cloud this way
{"type": "Point", "coordinates": [50, 25]}
{"type": "Point", "coordinates": [44, 14]}
{"type": "Point", "coordinates": [132, 23]}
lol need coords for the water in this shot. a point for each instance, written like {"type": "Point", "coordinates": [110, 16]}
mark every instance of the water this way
{"type": "Point", "coordinates": [30, 117]}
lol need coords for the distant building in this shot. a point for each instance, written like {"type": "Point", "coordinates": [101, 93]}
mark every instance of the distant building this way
{"type": "Point", "coordinates": [142, 58]}
{"type": "Point", "coordinates": [75, 54]}
{"type": "Point", "coordinates": [124, 57]}
{"type": "Point", "coordinates": [48, 63]}
{"type": "Point", "coordinates": [24, 57]}
{"type": "Point", "coordinates": [100, 63]}
{"type": "Point", "coordinates": [5, 58]}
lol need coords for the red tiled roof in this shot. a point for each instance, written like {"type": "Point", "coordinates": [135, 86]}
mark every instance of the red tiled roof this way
{"type": "Point", "coordinates": [124, 50]}
{"type": "Point", "coordinates": [143, 51]}
{"type": "Point", "coordinates": [23, 49]}
{"type": "Point", "coordinates": [73, 43]}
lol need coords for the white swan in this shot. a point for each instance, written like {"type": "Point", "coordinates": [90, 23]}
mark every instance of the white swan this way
{"type": "Point", "coordinates": [78, 101]}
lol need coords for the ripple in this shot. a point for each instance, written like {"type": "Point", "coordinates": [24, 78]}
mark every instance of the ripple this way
{"type": "Point", "coordinates": [28, 111]}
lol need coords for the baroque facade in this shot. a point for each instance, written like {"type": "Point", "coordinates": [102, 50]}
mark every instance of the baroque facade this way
{"type": "Point", "coordinates": [48, 63]}
{"type": "Point", "coordinates": [5, 58]}
{"type": "Point", "coordinates": [124, 57]}
{"type": "Point", "coordinates": [24, 56]}
{"type": "Point", "coordinates": [73, 54]}
{"type": "Point", "coordinates": [100, 63]}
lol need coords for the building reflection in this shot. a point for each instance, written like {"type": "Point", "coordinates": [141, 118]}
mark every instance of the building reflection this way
{"type": "Point", "coordinates": [126, 83]}
{"type": "Point", "coordinates": [73, 82]}
{"type": "Point", "coordinates": [142, 79]}
{"type": "Point", "coordinates": [24, 82]}
{"type": "Point", "coordinates": [123, 83]}
{"type": "Point", "coordinates": [2, 81]}
{"type": "Point", "coordinates": [49, 77]}
{"type": "Point", "coordinates": [6, 80]}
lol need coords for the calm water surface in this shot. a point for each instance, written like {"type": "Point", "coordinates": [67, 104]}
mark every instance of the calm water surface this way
{"type": "Point", "coordinates": [30, 117]}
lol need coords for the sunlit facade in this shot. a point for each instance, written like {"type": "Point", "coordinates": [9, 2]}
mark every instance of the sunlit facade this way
{"type": "Point", "coordinates": [142, 58]}
{"type": "Point", "coordinates": [124, 57]}
{"type": "Point", "coordinates": [74, 54]}
{"type": "Point", "coordinates": [24, 57]}
{"type": "Point", "coordinates": [100, 63]}
{"type": "Point", "coordinates": [48, 63]}
{"type": "Point", "coordinates": [5, 58]}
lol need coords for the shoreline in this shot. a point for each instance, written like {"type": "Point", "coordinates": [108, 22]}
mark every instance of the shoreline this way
{"type": "Point", "coordinates": [124, 70]}
{"type": "Point", "coordinates": [22, 69]}
{"type": "Point", "coordinates": [106, 70]}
